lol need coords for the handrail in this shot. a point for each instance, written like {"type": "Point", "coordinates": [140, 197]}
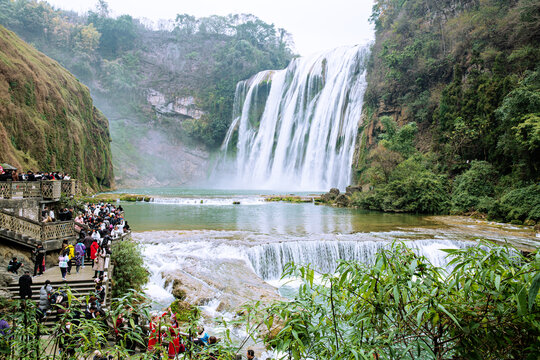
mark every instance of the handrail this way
{"type": "Point", "coordinates": [37, 230]}
{"type": "Point", "coordinates": [46, 189]}
{"type": "Point", "coordinates": [20, 217]}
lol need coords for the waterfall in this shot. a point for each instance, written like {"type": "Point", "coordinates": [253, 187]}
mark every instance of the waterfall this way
{"type": "Point", "coordinates": [268, 260]}
{"type": "Point", "coordinates": [296, 128]}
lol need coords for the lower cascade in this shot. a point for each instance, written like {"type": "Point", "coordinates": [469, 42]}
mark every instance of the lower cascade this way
{"type": "Point", "coordinates": [297, 127]}
{"type": "Point", "coordinates": [268, 260]}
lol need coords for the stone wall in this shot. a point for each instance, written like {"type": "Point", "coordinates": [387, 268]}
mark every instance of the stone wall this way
{"type": "Point", "coordinates": [28, 208]}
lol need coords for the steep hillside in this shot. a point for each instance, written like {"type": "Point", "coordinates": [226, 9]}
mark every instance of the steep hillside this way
{"type": "Point", "coordinates": [47, 118]}
{"type": "Point", "coordinates": [452, 115]}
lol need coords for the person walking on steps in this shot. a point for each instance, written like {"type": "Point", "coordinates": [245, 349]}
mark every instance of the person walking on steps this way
{"type": "Point", "coordinates": [99, 262]}
{"type": "Point", "coordinates": [63, 263]}
{"type": "Point", "coordinates": [25, 286]}
{"type": "Point", "coordinates": [80, 250]}
{"type": "Point", "coordinates": [93, 251]}
{"type": "Point", "coordinates": [39, 256]}
{"type": "Point", "coordinates": [71, 254]}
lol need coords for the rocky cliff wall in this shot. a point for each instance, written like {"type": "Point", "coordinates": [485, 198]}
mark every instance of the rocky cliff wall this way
{"type": "Point", "coordinates": [47, 117]}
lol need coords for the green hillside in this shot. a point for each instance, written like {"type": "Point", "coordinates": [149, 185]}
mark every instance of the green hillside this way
{"type": "Point", "coordinates": [452, 115]}
{"type": "Point", "coordinates": [47, 119]}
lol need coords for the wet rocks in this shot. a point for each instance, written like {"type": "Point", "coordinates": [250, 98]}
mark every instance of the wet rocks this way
{"type": "Point", "coordinates": [226, 283]}
{"type": "Point", "coordinates": [330, 196]}
{"type": "Point", "coordinates": [342, 200]}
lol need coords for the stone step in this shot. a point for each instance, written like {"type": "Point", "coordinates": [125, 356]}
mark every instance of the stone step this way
{"type": "Point", "coordinates": [78, 286]}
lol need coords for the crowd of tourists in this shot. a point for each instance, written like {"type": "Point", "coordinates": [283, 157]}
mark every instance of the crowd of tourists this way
{"type": "Point", "coordinates": [98, 225]}
{"type": "Point", "coordinates": [15, 175]}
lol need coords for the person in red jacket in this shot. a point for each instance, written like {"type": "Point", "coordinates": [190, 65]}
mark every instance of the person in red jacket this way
{"type": "Point", "coordinates": [93, 250]}
{"type": "Point", "coordinates": [175, 346]}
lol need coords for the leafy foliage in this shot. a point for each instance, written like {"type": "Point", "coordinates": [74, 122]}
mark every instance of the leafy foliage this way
{"type": "Point", "coordinates": [412, 186]}
{"type": "Point", "coordinates": [129, 270]}
{"type": "Point", "coordinates": [473, 188]}
{"type": "Point", "coordinates": [483, 306]}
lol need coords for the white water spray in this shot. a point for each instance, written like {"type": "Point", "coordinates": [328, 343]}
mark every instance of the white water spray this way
{"type": "Point", "coordinates": [297, 127]}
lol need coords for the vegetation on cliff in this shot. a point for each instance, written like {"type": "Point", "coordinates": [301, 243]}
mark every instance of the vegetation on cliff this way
{"type": "Point", "coordinates": [48, 120]}
{"type": "Point", "coordinates": [452, 108]}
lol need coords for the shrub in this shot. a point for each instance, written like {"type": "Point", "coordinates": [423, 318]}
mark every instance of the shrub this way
{"type": "Point", "coordinates": [519, 204]}
{"type": "Point", "coordinates": [129, 270]}
{"type": "Point", "coordinates": [473, 188]}
{"type": "Point", "coordinates": [412, 187]}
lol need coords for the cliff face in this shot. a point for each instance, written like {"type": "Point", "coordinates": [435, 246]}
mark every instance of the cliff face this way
{"type": "Point", "coordinates": [47, 118]}
{"type": "Point", "coordinates": [449, 66]}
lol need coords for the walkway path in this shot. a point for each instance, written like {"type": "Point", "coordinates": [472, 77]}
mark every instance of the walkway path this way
{"type": "Point", "coordinates": [81, 284]}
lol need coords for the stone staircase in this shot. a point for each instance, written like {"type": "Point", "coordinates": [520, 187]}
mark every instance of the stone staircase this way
{"type": "Point", "coordinates": [82, 289]}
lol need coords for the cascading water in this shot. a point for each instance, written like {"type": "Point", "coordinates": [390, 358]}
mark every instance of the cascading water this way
{"type": "Point", "coordinates": [296, 128]}
{"type": "Point", "coordinates": [268, 260]}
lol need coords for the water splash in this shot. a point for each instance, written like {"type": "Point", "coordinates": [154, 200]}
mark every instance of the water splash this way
{"type": "Point", "coordinates": [296, 128]}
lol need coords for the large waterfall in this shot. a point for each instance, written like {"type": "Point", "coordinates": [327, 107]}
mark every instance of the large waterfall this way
{"type": "Point", "coordinates": [295, 129]}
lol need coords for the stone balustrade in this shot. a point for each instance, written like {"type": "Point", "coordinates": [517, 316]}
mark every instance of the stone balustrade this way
{"type": "Point", "coordinates": [47, 233]}
{"type": "Point", "coordinates": [45, 189]}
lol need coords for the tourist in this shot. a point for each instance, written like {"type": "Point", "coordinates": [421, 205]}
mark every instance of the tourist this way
{"type": "Point", "coordinates": [39, 256]}
{"type": "Point", "coordinates": [44, 295]}
{"type": "Point", "coordinates": [96, 235]}
{"type": "Point", "coordinates": [100, 293]}
{"type": "Point", "coordinates": [175, 347]}
{"type": "Point", "coordinates": [87, 244]}
{"type": "Point", "coordinates": [99, 262]}
{"type": "Point", "coordinates": [4, 327]}
{"type": "Point", "coordinates": [25, 286]}
{"type": "Point", "coordinates": [14, 265]}
{"type": "Point", "coordinates": [71, 253]}
{"type": "Point", "coordinates": [93, 251]}
{"type": "Point", "coordinates": [79, 220]}
{"type": "Point", "coordinates": [251, 355]}
{"type": "Point", "coordinates": [80, 250]}
{"type": "Point", "coordinates": [117, 232]}
{"type": "Point", "coordinates": [202, 338]}
{"type": "Point", "coordinates": [63, 260]}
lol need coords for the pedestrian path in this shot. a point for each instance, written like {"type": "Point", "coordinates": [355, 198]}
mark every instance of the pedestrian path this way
{"type": "Point", "coordinates": [81, 284]}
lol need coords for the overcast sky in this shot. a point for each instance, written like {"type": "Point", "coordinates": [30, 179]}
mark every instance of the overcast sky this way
{"type": "Point", "coordinates": [315, 24]}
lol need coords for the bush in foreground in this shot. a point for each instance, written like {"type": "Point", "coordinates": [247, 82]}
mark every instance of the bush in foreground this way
{"type": "Point", "coordinates": [129, 270]}
{"type": "Point", "coordinates": [403, 307]}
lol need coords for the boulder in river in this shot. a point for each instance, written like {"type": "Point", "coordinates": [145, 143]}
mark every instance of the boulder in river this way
{"type": "Point", "coordinates": [342, 200]}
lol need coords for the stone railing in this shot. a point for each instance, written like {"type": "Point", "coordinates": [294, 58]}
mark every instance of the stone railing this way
{"type": "Point", "coordinates": [46, 189]}
{"type": "Point", "coordinates": [20, 225]}
{"type": "Point", "coordinates": [36, 230]}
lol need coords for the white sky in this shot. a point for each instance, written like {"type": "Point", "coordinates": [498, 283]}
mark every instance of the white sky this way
{"type": "Point", "coordinates": [314, 24]}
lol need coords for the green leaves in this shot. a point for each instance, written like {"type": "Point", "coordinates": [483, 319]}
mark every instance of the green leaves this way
{"type": "Point", "coordinates": [401, 306]}
{"type": "Point", "coordinates": [533, 291]}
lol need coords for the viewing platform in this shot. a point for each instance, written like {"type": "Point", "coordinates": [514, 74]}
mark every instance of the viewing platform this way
{"type": "Point", "coordinates": [21, 203]}
{"type": "Point", "coordinates": [47, 190]}
{"type": "Point", "coordinates": [28, 232]}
